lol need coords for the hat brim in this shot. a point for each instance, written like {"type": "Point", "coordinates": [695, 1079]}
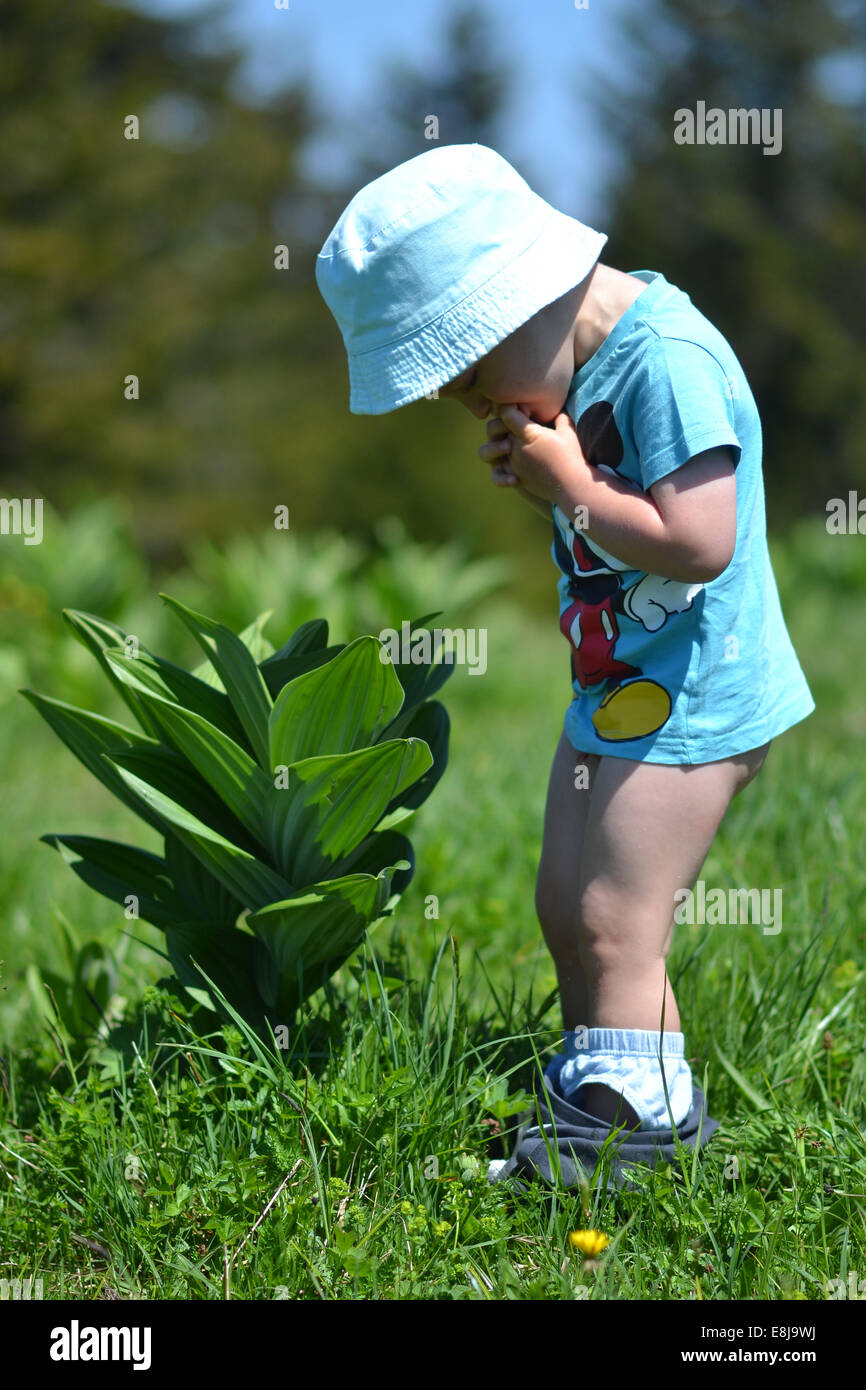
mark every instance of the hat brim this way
{"type": "Point", "coordinates": [560, 257]}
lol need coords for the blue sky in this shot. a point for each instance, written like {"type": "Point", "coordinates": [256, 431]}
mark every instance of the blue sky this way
{"type": "Point", "coordinates": [552, 135]}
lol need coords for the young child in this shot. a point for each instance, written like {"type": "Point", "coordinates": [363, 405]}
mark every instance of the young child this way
{"type": "Point", "coordinates": [617, 410]}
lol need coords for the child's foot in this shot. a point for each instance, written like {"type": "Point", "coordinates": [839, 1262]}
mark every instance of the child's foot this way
{"type": "Point", "coordinates": [606, 1105]}
{"type": "Point", "coordinates": [579, 1145]}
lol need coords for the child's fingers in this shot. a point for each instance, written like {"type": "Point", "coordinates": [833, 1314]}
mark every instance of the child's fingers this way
{"type": "Point", "coordinates": [518, 421]}
{"type": "Point", "coordinates": [512, 416]}
{"type": "Point", "coordinates": [494, 449]}
{"type": "Point", "coordinates": [502, 476]}
{"type": "Point", "coordinates": [497, 429]}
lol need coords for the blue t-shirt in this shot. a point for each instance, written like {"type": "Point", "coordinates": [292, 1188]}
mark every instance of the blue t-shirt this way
{"type": "Point", "coordinates": [664, 671]}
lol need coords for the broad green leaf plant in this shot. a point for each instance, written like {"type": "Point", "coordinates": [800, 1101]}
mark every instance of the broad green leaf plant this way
{"type": "Point", "coordinates": [275, 779]}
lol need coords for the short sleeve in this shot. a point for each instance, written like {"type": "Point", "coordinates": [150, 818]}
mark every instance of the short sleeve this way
{"type": "Point", "coordinates": [682, 404]}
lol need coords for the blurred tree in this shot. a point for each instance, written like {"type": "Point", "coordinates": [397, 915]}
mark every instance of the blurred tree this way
{"type": "Point", "coordinates": [151, 256]}
{"type": "Point", "coordinates": [771, 247]}
{"type": "Point", "coordinates": [154, 257]}
{"type": "Point", "coordinates": [463, 93]}
{"type": "Point", "coordinates": [421, 460]}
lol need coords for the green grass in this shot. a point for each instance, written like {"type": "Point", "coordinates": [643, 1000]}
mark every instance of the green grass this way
{"type": "Point", "coordinates": [350, 1164]}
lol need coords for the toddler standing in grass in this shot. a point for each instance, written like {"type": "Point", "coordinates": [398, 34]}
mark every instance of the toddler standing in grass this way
{"type": "Point", "coordinates": [617, 410]}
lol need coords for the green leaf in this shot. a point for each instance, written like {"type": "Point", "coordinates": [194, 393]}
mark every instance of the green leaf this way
{"type": "Point", "coordinates": [150, 675]}
{"type": "Point", "coordinates": [355, 1261]}
{"type": "Point", "coordinates": [331, 803]}
{"type": "Point", "coordinates": [420, 679]}
{"type": "Point", "coordinates": [307, 936]}
{"type": "Point", "coordinates": [309, 637]}
{"type": "Point", "coordinates": [278, 670]}
{"type": "Point", "coordinates": [400, 813]}
{"type": "Point", "coordinates": [226, 955]}
{"type": "Point", "coordinates": [207, 898]}
{"type": "Point", "coordinates": [255, 640]}
{"type": "Point", "coordinates": [169, 772]}
{"type": "Point", "coordinates": [90, 737]}
{"type": "Point", "coordinates": [251, 881]}
{"type": "Point", "coordinates": [98, 635]}
{"type": "Point", "coordinates": [753, 1216]}
{"type": "Point", "coordinates": [223, 764]}
{"type": "Point", "coordinates": [431, 723]}
{"type": "Point", "coordinates": [94, 982]}
{"type": "Point", "coordinates": [238, 672]}
{"type": "Point", "coordinates": [337, 708]}
{"type": "Point", "coordinates": [329, 917]}
{"type": "Point", "coordinates": [737, 1076]}
{"type": "Point", "coordinates": [205, 673]}
{"type": "Point", "coordinates": [117, 870]}
{"type": "Point", "coordinates": [381, 850]}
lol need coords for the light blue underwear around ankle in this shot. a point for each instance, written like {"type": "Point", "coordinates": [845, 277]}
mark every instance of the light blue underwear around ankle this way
{"type": "Point", "coordinates": [627, 1060]}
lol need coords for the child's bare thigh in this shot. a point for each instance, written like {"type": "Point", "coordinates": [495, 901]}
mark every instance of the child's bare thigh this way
{"type": "Point", "coordinates": [565, 818]}
{"type": "Point", "coordinates": [649, 829]}
{"type": "Point", "coordinates": [650, 825]}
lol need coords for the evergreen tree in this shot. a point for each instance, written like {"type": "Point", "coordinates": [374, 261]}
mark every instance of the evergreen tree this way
{"type": "Point", "coordinates": [150, 257]}
{"type": "Point", "coordinates": [771, 247]}
{"type": "Point", "coordinates": [453, 101]}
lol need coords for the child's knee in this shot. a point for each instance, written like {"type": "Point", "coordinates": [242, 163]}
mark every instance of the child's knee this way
{"type": "Point", "coordinates": [606, 935]}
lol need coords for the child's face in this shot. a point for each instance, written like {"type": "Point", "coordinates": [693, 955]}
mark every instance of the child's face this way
{"type": "Point", "coordinates": [532, 368]}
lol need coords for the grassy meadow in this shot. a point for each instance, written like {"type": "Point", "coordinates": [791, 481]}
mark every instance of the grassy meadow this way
{"type": "Point", "coordinates": [167, 1155]}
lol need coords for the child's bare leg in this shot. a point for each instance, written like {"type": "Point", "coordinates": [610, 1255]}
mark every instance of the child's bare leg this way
{"type": "Point", "coordinates": [560, 875]}
{"type": "Point", "coordinates": [648, 830]}
{"type": "Point", "coordinates": [557, 889]}
{"type": "Point", "coordinates": [608, 926]}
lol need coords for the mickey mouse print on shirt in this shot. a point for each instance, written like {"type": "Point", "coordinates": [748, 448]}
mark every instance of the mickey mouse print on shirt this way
{"type": "Point", "coordinates": [637, 704]}
{"type": "Point", "coordinates": [664, 671]}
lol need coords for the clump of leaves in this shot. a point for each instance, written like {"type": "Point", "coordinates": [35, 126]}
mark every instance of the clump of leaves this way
{"type": "Point", "coordinates": [276, 779]}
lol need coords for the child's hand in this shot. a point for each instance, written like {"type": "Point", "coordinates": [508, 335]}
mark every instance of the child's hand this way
{"type": "Point", "coordinates": [544, 459]}
{"type": "Point", "coordinates": [496, 452]}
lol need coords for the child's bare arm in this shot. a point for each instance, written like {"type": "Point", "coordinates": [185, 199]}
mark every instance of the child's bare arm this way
{"type": "Point", "coordinates": [536, 503]}
{"type": "Point", "coordinates": [495, 452]}
{"type": "Point", "coordinates": [684, 528]}
{"type": "Point", "coordinates": [543, 508]}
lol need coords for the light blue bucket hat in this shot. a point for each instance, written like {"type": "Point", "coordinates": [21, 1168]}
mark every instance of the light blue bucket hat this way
{"type": "Point", "coordinates": [434, 263]}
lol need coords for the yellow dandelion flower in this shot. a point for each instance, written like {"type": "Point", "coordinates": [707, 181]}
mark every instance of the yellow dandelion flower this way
{"type": "Point", "coordinates": [590, 1242]}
